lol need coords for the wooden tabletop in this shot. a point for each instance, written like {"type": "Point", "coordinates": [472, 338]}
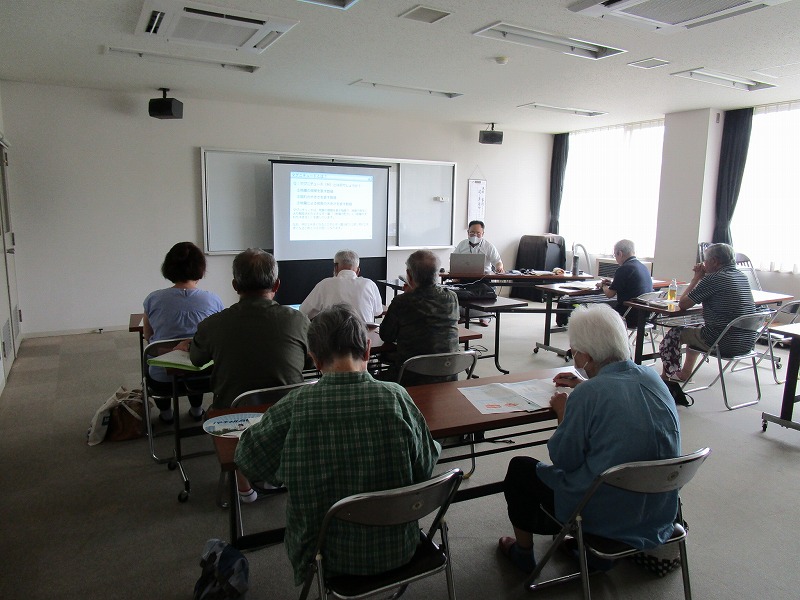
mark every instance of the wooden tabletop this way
{"type": "Point", "coordinates": [565, 289]}
{"type": "Point", "coordinates": [446, 410]}
{"type": "Point", "coordinates": [497, 304]}
{"type": "Point", "coordinates": [760, 298]}
{"type": "Point", "coordinates": [539, 276]}
{"type": "Point", "coordinates": [136, 322]}
{"type": "Point", "coordinates": [792, 329]}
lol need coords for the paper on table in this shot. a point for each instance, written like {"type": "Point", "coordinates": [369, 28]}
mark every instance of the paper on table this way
{"type": "Point", "coordinates": [510, 397]}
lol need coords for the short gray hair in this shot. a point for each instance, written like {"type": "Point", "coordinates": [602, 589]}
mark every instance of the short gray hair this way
{"type": "Point", "coordinates": [722, 252]}
{"type": "Point", "coordinates": [346, 259]}
{"type": "Point", "coordinates": [254, 270]}
{"type": "Point", "coordinates": [423, 266]}
{"type": "Point", "coordinates": [337, 331]}
{"type": "Point", "coordinates": [626, 247]}
{"type": "Point", "coordinates": [598, 330]}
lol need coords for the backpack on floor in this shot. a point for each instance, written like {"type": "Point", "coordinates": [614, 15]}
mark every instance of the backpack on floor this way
{"type": "Point", "coordinates": [225, 572]}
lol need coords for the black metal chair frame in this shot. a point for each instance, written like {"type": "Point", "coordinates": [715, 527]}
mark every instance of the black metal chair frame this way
{"type": "Point", "coordinates": [388, 508]}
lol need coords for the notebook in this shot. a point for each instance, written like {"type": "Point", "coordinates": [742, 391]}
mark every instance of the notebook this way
{"type": "Point", "coordinates": [467, 264]}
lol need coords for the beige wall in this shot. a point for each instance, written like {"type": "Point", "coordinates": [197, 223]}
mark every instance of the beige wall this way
{"type": "Point", "coordinates": [100, 191]}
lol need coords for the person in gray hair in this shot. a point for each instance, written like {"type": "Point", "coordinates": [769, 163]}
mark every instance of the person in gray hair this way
{"type": "Point", "coordinates": [345, 287]}
{"type": "Point", "coordinates": [725, 294]}
{"type": "Point", "coordinates": [618, 412]}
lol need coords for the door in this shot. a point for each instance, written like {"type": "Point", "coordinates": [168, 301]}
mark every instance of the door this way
{"type": "Point", "coordinates": [9, 304]}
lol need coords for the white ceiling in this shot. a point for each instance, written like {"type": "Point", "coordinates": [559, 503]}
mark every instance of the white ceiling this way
{"type": "Point", "coordinates": [62, 42]}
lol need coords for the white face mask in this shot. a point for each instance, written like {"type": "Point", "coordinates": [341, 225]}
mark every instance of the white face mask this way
{"type": "Point", "coordinates": [581, 373]}
{"type": "Point", "coordinates": [474, 239]}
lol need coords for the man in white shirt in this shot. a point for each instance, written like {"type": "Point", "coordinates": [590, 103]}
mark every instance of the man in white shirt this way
{"type": "Point", "coordinates": [475, 244]}
{"type": "Point", "coordinates": [345, 287]}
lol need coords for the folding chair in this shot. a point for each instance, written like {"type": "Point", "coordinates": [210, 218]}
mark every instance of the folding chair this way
{"type": "Point", "coordinates": [260, 397]}
{"type": "Point", "coordinates": [196, 384]}
{"type": "Point", "coordinates": [755, 323]}
{"type": "Point", "coordinates": [443, 365]}
{"type": "Point", "coordinates": [648, 477]}
{"type": "Point", "coordinates": [745, 265]}
{"type": "Point", "coordinates": [387, 508]}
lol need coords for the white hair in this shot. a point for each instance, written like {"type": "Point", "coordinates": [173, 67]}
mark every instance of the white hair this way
{"type": "Point", "coordinates": [598, 330]}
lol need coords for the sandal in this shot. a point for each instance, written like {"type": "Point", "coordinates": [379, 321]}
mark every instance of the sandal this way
{"type": "Point", "coordinates": [521, 558]}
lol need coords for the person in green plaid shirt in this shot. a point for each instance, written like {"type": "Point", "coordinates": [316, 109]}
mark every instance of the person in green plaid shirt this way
{"type": "Point", "coordinates": [344, 435]}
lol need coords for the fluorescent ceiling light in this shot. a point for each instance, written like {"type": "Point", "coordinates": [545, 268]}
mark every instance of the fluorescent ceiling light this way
{"type": "Point", "coordinates": [342, 4]}
{"type": "Point", "coordinates": [181, 60]}
{"type": "Point", "coordinates": [581, 112]}
{"type": "Point", "coordinates": [399, 88]}
{"type": "Point", "coordinates": [529, 37]}
{"type": "Point", "coordinates": [723, 79]}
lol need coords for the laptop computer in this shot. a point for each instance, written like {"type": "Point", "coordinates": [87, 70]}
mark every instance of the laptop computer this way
{"type": "Point", "coordinates": [467, 264]}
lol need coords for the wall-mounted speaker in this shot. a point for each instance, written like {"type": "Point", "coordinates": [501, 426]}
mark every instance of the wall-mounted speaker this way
{"type": "Point", "coordinates": [490, 137]}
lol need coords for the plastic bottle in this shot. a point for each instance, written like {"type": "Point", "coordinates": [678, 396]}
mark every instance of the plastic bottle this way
{"type": "Point", "coordinates": [672, 292]}
{"type": "Point", "coordinates": [574, 264]}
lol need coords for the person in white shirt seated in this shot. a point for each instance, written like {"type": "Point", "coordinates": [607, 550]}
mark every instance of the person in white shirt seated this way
{"type": "Point", "coordinates": [345, 287]}
{"type": "Point", "coordinates": [475, 244]}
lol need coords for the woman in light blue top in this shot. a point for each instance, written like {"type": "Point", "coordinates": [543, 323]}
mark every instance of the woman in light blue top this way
{"type": "Point", "coordinates": [174, 312]}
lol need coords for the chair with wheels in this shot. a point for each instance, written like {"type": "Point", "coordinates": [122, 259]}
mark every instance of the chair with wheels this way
{"type": "Point", "coordinates": [755, 323]}
{"type": "Point", "coordinates": [195, 383]}
{"type": "Point", "coordinates": [263, 398]}
{"type": "Point", "coordinates": [383, 509]}
{"type": "Point", "coordinates": [647, 477]}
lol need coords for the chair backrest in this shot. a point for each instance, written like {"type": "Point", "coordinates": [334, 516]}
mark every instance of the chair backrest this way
{"type": "Point", "coordinates": [268, 395]}
{"type": "Point", "coordinates": [396, 506]}
{"type": "Point", "coordinates": [153, 349]}
{"type": "Point", "coordinates": [745, 265]}
{"type": "Point", "coordinates": [756, 322]}
{"type": "Point", "coordinates": [655, 476]}
{"type": "Point", "coordinates": [786, 313]}
{"type": "Point", "coordinates": [440, 365]}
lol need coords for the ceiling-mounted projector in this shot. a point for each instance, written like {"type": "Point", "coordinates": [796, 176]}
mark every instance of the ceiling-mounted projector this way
{"type": "Point", "coordinates": [165, 108]}
{"type": "Point", "coordinates": [490, 136]}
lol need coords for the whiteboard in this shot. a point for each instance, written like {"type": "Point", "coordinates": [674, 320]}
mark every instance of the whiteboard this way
{"type": "Point", "coordinates": [237, 199]}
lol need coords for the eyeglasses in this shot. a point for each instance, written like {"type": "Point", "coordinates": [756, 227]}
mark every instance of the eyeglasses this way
{"type": "Point", "coordinates": [479, 233]}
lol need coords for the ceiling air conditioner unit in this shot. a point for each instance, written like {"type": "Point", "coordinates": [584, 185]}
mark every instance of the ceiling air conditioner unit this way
{"type": "Point", "coordinates": [669, 15]}
{"type": "Point", "coordinates": [211, 26]}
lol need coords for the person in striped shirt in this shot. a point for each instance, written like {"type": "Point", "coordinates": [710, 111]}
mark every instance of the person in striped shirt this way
{"type": "Point", "coordinates": [725, 294]}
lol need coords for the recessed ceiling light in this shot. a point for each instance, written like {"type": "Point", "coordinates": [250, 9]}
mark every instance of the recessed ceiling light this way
{"type": "Point", "coordinates": [581, 112]}
{"type": "Point", "coordinates": [400, 88]}
{"type": "Point", "coordinates": [723, 79]}
{"type": "Point", "coordinates": [648, 63]}
{"type": "Point", "coordinates": [539, 39]}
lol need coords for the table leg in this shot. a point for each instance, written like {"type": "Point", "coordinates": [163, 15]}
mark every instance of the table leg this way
{"type": "Point", "coordinates": [789, 391]}
{"type": "Point", "coordinates": [641, 321]}
{"type": "Point", "coordinates": [548, 319]}
{"type": "Point", "coordinates": [497, 343]}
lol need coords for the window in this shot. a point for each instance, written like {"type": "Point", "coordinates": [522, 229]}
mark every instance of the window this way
{"type": "Point", "coordinates": [764, 224]}
{"type": "Point", "coordinates": [611, 187]}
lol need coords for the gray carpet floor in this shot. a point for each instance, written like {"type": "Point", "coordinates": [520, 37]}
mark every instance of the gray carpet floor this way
{"type": "Point", "coordinates": [104, 521]}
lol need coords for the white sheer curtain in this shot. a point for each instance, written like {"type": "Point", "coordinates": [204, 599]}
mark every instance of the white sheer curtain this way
{"type": "Point", "coordinates": [611, 187]}
{"type": "Point", "coordinates": [765, 221]}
